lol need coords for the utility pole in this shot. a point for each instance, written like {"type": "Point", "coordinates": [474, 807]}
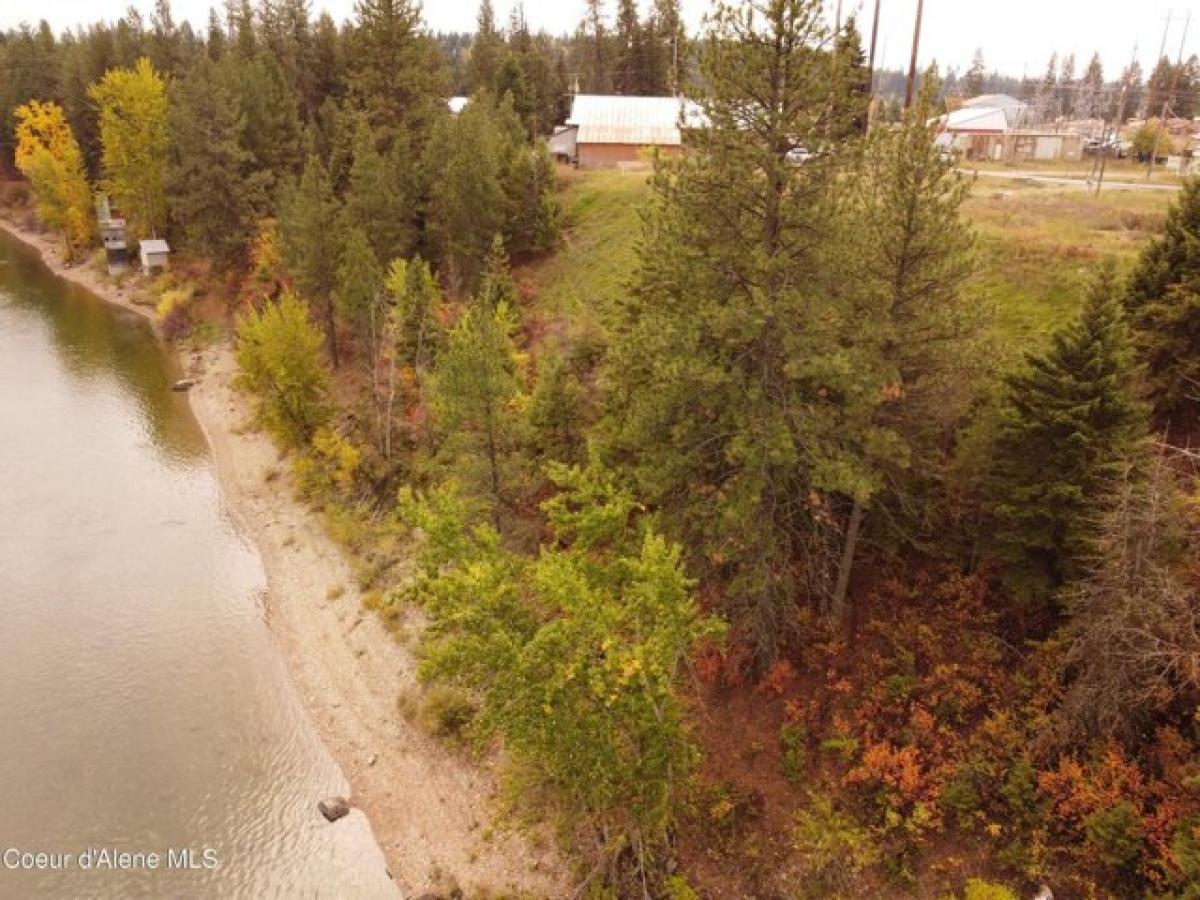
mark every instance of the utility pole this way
{"type": "Point", "coordinates": [1116, 127]}
{"type": "Point", "coordinates": [874, 38]}
{"type": "Point", "coordinates": [1167, 100]}
{"type": "Point", "coordinates": [912, 65]}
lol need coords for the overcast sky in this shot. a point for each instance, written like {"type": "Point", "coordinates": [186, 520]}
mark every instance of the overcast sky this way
{"type": "Point", "coordinates": [1015, 35]}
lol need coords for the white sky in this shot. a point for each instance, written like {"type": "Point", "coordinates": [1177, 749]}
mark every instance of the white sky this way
{"type": "Point", "coordinates": [1015, 35]}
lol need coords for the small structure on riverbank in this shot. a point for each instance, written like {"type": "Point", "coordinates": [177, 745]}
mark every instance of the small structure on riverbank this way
{"type": "Point", "coordinates": [112, 235]}
{"type": "Point", "coordinates": [154, 254]}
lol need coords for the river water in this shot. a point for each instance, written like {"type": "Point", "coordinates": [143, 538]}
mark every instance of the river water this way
{"type": "Point", "coordinates": [144, 706]}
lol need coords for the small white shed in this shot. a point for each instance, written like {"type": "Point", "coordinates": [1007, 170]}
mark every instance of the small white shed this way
{"type": "Point", "coordinates": [154, 253]}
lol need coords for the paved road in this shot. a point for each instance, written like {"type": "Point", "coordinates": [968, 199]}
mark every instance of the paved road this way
{"type": "Point", "coordinates": [1081, 183]}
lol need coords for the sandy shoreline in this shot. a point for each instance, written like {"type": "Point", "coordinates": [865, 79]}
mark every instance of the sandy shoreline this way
{"type": "Point", "coordinates": [428, 809]}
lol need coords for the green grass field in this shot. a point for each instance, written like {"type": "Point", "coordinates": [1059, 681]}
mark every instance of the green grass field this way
{"type": "Point", "coordinates": [601, 228]}
{"type": "Point", "coordinates": [1037, 246]}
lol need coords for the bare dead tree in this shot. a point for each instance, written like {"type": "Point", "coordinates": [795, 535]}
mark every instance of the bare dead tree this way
{"type": "Point", "coordinates": [1134, 641]}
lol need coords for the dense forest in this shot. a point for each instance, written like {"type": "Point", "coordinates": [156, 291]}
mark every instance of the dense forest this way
{"type": "Point", "coordinates": [782, 470]}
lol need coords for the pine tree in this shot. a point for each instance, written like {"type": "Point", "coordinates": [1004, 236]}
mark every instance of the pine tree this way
{"type": "Point", "coordinates": [329, 64]}
{"type": "Point", "coordinates": [48, 155]}
{"type": "Point", "coordinates": [1066, 86]}
{"type": "Point", "coordinates": [593, 35]}
{"type": "Point", "coordinates": [487, 50]}
{"type": "Point", "coordinates": [1046, 98]}
{"type": "Point", "coordinates": [911, 327]}
{"type": "Point", "coordinates": [272, 132]}
{"type": "Point", "coordinates": [376, 199]}
{"type": "Point", "coordinates": [467, 204]}
{"type": "Point", "coordinates": [671, 44]}
{"type": "Point", "coordinates": [629, 62]}
{"type": "Point", "coordinates": [1158, 87]}
{"type": "Point", "coordinates": [395, 69]}
{"type": "Point", "coordinates": [166, 50]}
{"type": "Point", "coordinates": [1164, 303]}
{"type": "Point", "coordinates": [210, 174]}
{"type": "Point", "coordinates": [853, 61]}
{"type": "Point", "coordinates": [1091, 86]}
{"type": "Point", "coordinates": [496, 286]}
{"type": "Point", "coordinates": [133, 135]}
{"type": "Point", "coordinates": [1071, 419]}
{"type": "Point", "coordinates": [309, 224]}
{"type": "Point", "coordinates": [973, 82]}
{"type": "Point", "coordinates": [216, 42]}
{"type": "Point", "coordinates": [558, 412]}
{"type": "Point", "coordinates": [358, 295]}
{"type": "Point", "coordinates": [239, 16]}
{"type": "Point", "coordinates": [1131, 85]}
{"type": "Point", "coordinates": [475, 390]}
{"type": "Point", "coordinates": [720, 381]}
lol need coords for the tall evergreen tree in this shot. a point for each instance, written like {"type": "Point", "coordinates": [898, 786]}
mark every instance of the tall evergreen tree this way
{"type": "Point", "coordinates": [593, 35]}
{"type": "Point", "coordinates": [1072, 417]}
{"type": "Point", "coordinates": [1046, 100]}
{"type": "Point", "coordinates": [376, 199]}
{"type": "Point", "coordinates": [1067, 86]}
{"type": "Point", "coordinates": [1158, 88]}
{"type": "Point", "coordinates": [395, 71]}
{"type": "Point", "coordinates": [358, 294]}
{"type": "Point", "coordinates": [671, 42]}
{"type": "Point", "coordinates": [911, 326]}
{"type": "Point", "coordinates": [486, 178]}
{"type": "Point", "coordinates": [467, 160]}
{"type": "Point", "coordinates": [720, 378]}
{"type": "Point", "coordinates": [974, 81]}
{"type": "Point", "coordinates": [272, 133]}
{"type": "Point", "coordinates": [1164, 301]}
{"type": "Point", "coordinates": [629, 62]}
{"type": "Point", "coordinates": [216, 41]}
{"type": "Point", "coordinates": [475, 386]}
{"type": "Point", "coordinates": [1133, 89]}
{"type": "Point", "coordinates": [310, 226]}
{"type": "Point", "coordinates": [487, 50]}
{"type": "Point", "coordinates": [1088, 102]}
{"type": "Point", "coordinates": [329, 63]}
{"type": "Point", "coordinates": [210, 174]}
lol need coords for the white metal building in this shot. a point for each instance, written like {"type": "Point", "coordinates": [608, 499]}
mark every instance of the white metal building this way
{"type": "Point", "coordinates": [614, 131]}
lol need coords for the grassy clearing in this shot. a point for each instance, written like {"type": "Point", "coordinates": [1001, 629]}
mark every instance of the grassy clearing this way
{"type": "Point", "coordinates": [601, 229]}
{"type": "Point", "coordinates": [1038, 245]}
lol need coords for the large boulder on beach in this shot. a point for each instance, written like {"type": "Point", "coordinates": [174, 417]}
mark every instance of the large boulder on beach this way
{"type": "Point", "coordinates": [333, 808]}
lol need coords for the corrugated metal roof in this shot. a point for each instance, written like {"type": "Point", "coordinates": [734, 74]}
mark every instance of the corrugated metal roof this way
{"type": "Point", "coordinates": [983, 119]}
{"type": "Point", "coordinates": [605, 119]}
{"type": "Point", "coordinates": [987, 112]}
{"type": "Point", "coordinates": [1004, 101]}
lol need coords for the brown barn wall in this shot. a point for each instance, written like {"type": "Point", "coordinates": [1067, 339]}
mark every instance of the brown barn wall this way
{"type": "Point", "coordinates": [610, 156]}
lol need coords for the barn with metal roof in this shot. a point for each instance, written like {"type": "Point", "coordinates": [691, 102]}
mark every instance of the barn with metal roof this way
{"type": "Point", "coordinates": [615, 131]}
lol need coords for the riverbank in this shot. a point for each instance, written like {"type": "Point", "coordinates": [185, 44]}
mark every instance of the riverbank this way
{"type": "Point", "coordinates": [427, 807]}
